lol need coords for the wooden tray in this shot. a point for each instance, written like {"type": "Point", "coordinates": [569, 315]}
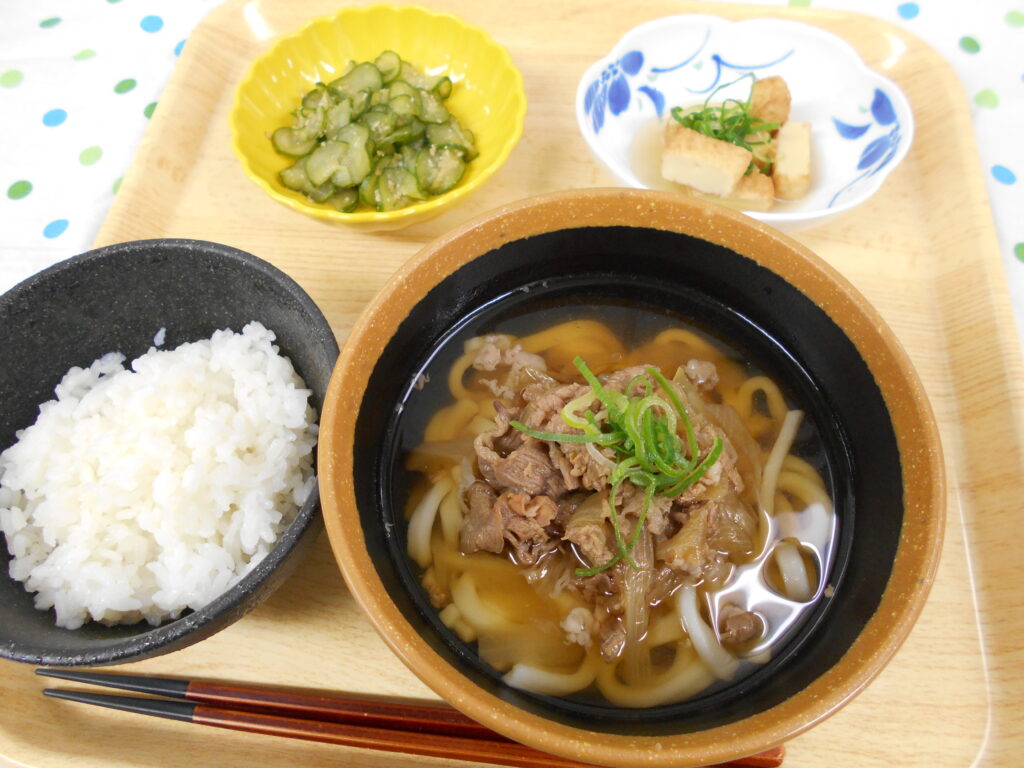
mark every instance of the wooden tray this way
{"type": "Point", "coordinates": [923, 251]}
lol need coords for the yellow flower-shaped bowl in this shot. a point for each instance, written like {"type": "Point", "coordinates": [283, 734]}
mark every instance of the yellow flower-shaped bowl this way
{"type": "Point", "coordinates": [487, 96]}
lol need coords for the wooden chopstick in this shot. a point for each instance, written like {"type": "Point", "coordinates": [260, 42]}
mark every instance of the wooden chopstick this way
{"type": "Point", "coordinates": [355, 722]}
{"type": "Point", "coordinates": [378, 713]}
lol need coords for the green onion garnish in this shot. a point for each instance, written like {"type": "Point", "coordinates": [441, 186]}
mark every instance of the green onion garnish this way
{"type": "Point", "coordinates": [643, 432]}
{"type": "Point", "coordinates": [730, 122]}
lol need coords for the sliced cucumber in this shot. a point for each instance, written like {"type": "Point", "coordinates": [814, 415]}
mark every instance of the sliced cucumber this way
{"type": "Point", "coordinates": [321, 193]}
{"type": "Point", "coordinates": [402, 88]}
{"type": "Point", "coordinates": [318, 97]}
{"type": "Point", "coordinates": [389, 64]}
{"type": "Point", "coordinates": [362, 77]}
{"type": "Point", "coordinates": [452, 134]}
{"type": "Point", "coordinates": [380, 124]}
{"type": "Point", "coordinates": [440, 83]}
{"type": "Point", "coordinates": [353, 167]}
{"type": "Point", "coordinates": [356, 133]}
{"type": "Point", "coordinates": [345, 200]}
{"type": "Point", "coordinates": [396, 189]}
{"type": "Point", "coordinates": [438, 169]}
{"type": "Point", "coordinates": [443, 87]}
{"type": "Point", "coordinates": [431, 109]}
{"type": "Point", "coordinates": [324, 161]}
{"type": "Point", "coordinates": [368, 189]}
{"type": "Point", "coordinates": [288, 142]}
{"type": "Point", "coordinates": [338, 117]}
{"type": "Point", "coordinates": [294, 177]}
{"type": "Point", "coordinates": [404, 105]}
{"type": "Point", "coordinates": [406, 130]}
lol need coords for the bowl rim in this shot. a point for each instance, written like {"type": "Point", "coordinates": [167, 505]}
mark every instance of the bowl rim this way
{"type": "Point", "coordinates": [916, 432]}
{"type": "Point", "coordinates": [779, 218]}
{"type": "Point", "coordinates": [410, 213]}
{"type": "Point", "coordinates": [176, 633]}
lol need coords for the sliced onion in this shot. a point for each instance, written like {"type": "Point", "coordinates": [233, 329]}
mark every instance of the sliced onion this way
{"type": "Point", "coordinates": [599, 457]}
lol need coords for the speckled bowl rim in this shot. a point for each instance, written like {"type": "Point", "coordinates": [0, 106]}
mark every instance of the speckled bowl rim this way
{"type": "Point", "coordinates": [917, 438]}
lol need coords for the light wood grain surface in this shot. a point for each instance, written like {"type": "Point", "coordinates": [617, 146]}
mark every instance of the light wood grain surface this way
{"type": "Point", "coordinates": [923, 251]}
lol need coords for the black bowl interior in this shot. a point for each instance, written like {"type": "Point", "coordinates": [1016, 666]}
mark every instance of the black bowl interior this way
{"type": "Point", "coordinates": [734, 299]}
{"type": "Point", "coordinates": [116, 299]}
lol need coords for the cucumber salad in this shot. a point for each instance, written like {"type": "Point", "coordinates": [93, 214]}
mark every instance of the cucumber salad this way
{"type": "Point", "coordinates": [379, 136]}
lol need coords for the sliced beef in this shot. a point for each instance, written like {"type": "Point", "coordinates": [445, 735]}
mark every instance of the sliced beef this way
{"type": "Point", "coordinates": [737, 626]}
{"type": "Point", "coordinates": [588, 530]}
{"type": "Point", "coordinates": [498, 351]}
{"type": "Point", "coordinates": [544, 404]}
{"type": "Point", "coordinates": [702, 373]}
{"type": "Point", "coordinates": [563, 465]}
{"type": "Point", "coordinates": [689, 551]}
{"type": "Point", "coordinates": [529, 469]}
{"type": "Point", "coordinates": [632, 504]}
{"type": "Point", "coordinates": [583, 469]}
{"type": "Point", "coordinates": [524, 519]}
{"type": "Point", "coordinates": [526, 468]}
{"type": "Point", "coordinates": [482, 529]}
{"type": "Point", "coordinates": [618, 380]}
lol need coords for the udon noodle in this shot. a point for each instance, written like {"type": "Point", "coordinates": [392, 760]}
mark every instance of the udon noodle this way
{"type": "Point", "coordinates": [624, 523]}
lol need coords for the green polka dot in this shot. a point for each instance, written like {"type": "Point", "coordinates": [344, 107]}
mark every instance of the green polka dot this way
{"type": "Point", "coordinates": [90, 156]}
{"type": "Point", "coordinates": [125, 85]}
{"type": "Point", "coordinates": [19, 189]}
{"type": "Point", "coordinates": [969, 44]}
{"type": "Point", "coordinates": [117, 185]}
{"type": "Point", "coordinates": [51, 22]}
{"type": "Point", "coordinates": [986, 98]}
{"type": "Point", "coordinates": [11, 78]}
{"type": "Point", "coordinates": [803, 3]}
{"type": "Point", "coordinates": [85, 53]}
{"type": "Point", "coordinates": [1018, 251]}
{"type": "Point", "coordinates": [1015, 18]}
{"type": "Point", "coordinates": [148, 111]}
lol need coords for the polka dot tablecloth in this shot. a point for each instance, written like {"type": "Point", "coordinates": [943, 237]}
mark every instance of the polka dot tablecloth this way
{"type": "Point", "coordinates": [79, 80]}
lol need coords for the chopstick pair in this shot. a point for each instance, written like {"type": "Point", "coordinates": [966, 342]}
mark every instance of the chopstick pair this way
{"type": "Point", "coordinates": [394, 726]}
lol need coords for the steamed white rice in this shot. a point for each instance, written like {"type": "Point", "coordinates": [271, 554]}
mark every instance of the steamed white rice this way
{"type": "Point", "coordinates": [141, 492]}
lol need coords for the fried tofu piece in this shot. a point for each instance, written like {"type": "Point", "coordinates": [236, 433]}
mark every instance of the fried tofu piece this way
{"type": "Point", "coordinates": [770, 100]}
{"type": "Point", "coordinates": [708, 165]}
{"type": "Point", "coordinates": [753, 192]}
{"type": "Point", "coordinates": [792, 172]}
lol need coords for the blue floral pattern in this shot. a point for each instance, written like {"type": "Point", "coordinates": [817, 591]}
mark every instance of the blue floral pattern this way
{"type": "Point", "coordinates": [611, 89]}
{"type": "Point", "coordinates": [879, 151]}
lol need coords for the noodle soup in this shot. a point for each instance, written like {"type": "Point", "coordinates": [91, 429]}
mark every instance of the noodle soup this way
{"type": "Point", "coordinates": [612, 505]}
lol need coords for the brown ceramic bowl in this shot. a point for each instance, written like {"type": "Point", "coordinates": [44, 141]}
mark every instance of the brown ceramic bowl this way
{"type": "Point", "coordinates": [804, 321]}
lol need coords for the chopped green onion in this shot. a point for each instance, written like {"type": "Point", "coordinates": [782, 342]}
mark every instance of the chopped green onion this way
{"type": "Point", "coordinates": [561, 437]}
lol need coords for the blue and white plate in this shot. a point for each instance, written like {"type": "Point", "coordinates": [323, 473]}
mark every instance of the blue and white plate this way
{"type": "Point", "coordinates": [861, 123]}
